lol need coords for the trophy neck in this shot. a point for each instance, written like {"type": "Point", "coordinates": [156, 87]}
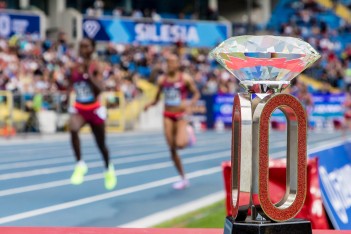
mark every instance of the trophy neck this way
{"type": "Point", "coordinates": [264, 87]}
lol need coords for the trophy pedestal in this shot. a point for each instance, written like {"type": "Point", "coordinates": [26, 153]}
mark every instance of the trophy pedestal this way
{"type": "Point", "coordinates": [294, 226]}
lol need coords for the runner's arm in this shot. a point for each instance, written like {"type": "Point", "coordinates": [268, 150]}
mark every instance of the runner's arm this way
{"type": "Point", "coordinates": [70, 85]}
{"type": "Point", "coordinates": [95, 77]}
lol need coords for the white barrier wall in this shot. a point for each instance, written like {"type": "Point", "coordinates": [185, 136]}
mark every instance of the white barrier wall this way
{"type": "Point", "coordinates": [152, 119]}
{"type": "Point", "coordinates": [71, 23]}
{"type": "Point", "coordinates": [47, 121]}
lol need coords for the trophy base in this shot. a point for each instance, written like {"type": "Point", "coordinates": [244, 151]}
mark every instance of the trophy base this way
{"type": "Point", "coordinates": [294, 226]}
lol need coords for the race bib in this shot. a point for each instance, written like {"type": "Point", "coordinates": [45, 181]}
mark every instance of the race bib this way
{"type": "Point", "coordinates": [84, 92]}
{"type": "Point", "coordinates": [172, 97]}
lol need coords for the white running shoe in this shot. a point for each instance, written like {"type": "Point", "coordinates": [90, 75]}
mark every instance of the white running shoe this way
{"type": "Point", "coordinates": [182, 184]}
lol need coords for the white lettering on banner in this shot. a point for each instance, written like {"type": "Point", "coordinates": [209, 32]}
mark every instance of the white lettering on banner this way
{"type": "Point", "coordinates": [226, 109]}
{"type": "Point", "coordinates": [5, 25]}
{"type": "Point", "coordinates": [19, 26]}
{"type": "Point", "coordinates": [224, 99]}
{"type": "Point", "coordinates": [325, 108]}
{"type": "Point", "coordinates": [175, 33]}
{"type": "Point", "coordinates": [91, 28]}
{"type": "Point", "coordinates": [336, 185]}
{"type": "Point", "coordinates": [140, 32]}
{"type": "Point", "coordinates": [167, 33]}
{"type": "Point", "coordinates": [192, 34]}
{"type": "Point", "coordinates": [164, 33]}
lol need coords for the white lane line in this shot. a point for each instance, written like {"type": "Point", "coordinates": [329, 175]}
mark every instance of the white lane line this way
{"type": "Point", "coordinates": [64, 137]}
{"type": "Point", "coordinates": [315, 147]}
{"type": "Point", "coordinates": [122, 142]}
{"type": "Point", "coordinates": [59, 159]}
{"type": "Point", "coordinates": [113, 148]}
{"type": "Point", "coordinates": [97, 163]}
{"type": "Point", "coordinates": [172, 213]}
{"type": "Point", "coordinates": [320, 146]}
{"type": "Point", "coordinates": [105, 196]}
{"type": "Point", "coordinates": [43, 152]}
{"type": "Point", "coordinates": [53, 170]}
{"type": "Point", "coordinates": [127, 171]}
{"type": "Point", "coordinates": [90, 156]}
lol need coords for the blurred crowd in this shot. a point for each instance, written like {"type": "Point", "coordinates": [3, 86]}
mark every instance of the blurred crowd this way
{"type": "Point", "coordinates": [314, 23]}
{"type": "Point", "coordinates": [29, 66]}
{"type": "Point", "coordinates": [97, 9]}
{"type": "Point", "coordinates": [149, 62]}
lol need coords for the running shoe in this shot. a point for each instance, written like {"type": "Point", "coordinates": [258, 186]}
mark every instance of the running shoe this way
{"type": "Point", "coordinates": [110, 177]}
{"type": "Point", "coordinates": [191, 134]}
{"type": "Point", "coordinates": [78, 174]}
{"type": "Point", "coordinates": [182, 184]}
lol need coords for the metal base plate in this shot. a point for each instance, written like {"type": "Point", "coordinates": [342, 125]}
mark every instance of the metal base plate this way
{"type": "Point", "coordinates": [294, 226]}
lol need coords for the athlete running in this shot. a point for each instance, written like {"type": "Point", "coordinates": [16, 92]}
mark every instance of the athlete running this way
{"type": "Point", "coordinates": [86, 80]}
{"type": "Point", "coordinates": [175, 86]}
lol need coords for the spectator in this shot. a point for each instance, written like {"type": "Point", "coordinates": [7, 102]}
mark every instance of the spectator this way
{"type": "Point", "coordinates": [137, 14]}
{"type": "Point", "coordinates": [117, 12]}
{"type": "Point", "coordinates": [155, 16]}
{"type": "Point", "coordinates": [3, 5]}
{"type": "Point", "coordinates": [99, 8]}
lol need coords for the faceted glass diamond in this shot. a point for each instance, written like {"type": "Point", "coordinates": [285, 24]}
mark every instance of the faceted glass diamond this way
{"type": "Point", "coordinates": [265, 64]}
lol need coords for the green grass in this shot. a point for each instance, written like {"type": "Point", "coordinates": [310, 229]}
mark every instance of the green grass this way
{"type": "Point", "coordinates": [209, 217]}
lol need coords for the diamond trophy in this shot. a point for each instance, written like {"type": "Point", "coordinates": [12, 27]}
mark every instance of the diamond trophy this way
{"type": "Point", "coordinates": [265, 65]}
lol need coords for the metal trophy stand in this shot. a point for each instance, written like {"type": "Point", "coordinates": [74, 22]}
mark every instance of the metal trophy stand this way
{"type": "Point", "coordinates": [265, 65]}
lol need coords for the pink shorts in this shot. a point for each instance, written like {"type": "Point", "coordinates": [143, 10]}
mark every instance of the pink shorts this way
{"type": "Point", "coordinates": [93, 113]}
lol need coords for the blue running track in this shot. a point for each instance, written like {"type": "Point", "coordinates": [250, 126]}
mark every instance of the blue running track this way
{"type": "Point", "coordinates": [35, 188]}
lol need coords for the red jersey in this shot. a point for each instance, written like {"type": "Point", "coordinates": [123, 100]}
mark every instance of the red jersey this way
{"type": "Point", "coordinates": [175, 92]}
{"type": "Point", "coordinates": [82, 85]}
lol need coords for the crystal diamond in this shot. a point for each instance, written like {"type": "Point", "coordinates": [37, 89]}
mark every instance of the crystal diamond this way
{"type": "Point", "coordinates": [265, 64]}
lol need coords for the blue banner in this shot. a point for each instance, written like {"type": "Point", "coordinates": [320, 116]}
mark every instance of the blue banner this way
{"type": "Point", "coordinates": [335, 176]}
{"type": "Point", "coordinates": [328, 106]}
{"type": "Point", "coordinates": [12, 23]}
{"type": "Point", "coordinates": [326, 109]}
{"type": "Point", "coordinates": [223, 108]}
{"type": "Point", "coordinates": [199, 111]}
{"type": "Point", "coordinates": [192, 33]}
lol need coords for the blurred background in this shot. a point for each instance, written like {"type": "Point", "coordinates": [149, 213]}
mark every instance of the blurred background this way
{"type": "Point", "coordinates": [38, 43]}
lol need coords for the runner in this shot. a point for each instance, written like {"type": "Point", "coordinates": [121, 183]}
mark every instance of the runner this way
{"type": "Point", "coordinates": [175, 86]}
{"type": "Point", "coordinates": [86, 80]}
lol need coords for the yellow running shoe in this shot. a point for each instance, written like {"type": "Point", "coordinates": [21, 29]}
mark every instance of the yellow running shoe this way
{"type": "Point", "coordinates": [78, 174]}
{"type": "Point", "coordinates": [110, 177]}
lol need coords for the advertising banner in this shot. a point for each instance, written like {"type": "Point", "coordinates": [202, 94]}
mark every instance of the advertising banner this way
{"type": "Point", "coordinates": [328, 106]}
{"type": "Point", "coordinates": [12, 23]}
{"type": "Point", "coordinates": [223, 108]}
{"type": "Point", "coordinates": [191, 33]}
{"type": "Point", "coordinates": [335, 176]}
{"type": "Point", "coordinates": [199, 112]}
{"type": "Point", "coordinates": [326, 109]}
